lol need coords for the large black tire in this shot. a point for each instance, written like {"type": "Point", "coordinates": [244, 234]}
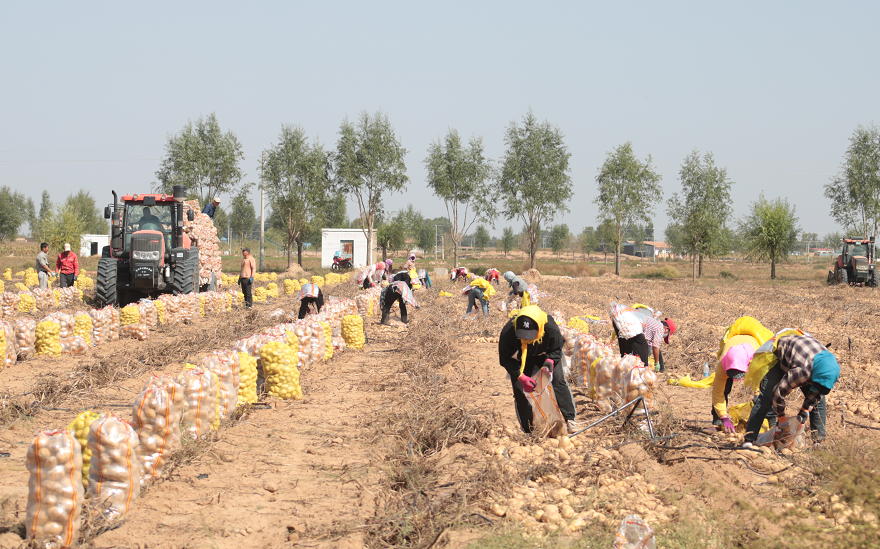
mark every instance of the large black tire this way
{"type": "Point", "coordinates": [186, 279]}
{"type": "Point", "coordinates": [844, 276]}
{"type": "Point", "coordinates": [875, 278]}
{"type": "Point", "coordinates": [831, 279]}
{"type": "Point", "coordinates": [105, 284]}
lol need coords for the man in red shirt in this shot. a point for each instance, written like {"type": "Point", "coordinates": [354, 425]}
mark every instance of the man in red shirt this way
{"type": "Point", "coordinates": [68, 266]}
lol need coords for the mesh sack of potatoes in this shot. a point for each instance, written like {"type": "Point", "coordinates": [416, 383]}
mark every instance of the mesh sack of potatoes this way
{"type": "Point", "coordinates": [638, 381]}
{"type": "Point", "coordinates": [26, 302]}
{"type": "Point", "coordinates": [7, 274]}
{"type": "Point", "coordinates": [603, 380]}
{"type": "Point", "coordinates": [139, 331]}
{"type": "Point", "coordinates": [114, 319]}
{"type": "Point", "coordinates": [84, 282]}
{"type": "Point", "coordinates": [200, 401]}
{"type": "Point", "coordinates": [31, 278]}
{"type": "Point", "coordinates": [9, 355]}
{"type": "Point", "coordinates": [279, 367]}
{"type": "Point", "coordinates": [65, 323]}
{"type": "Point", "coordinates": [80, 427]}
{"type": "Point", "coordinates": [82, 326]}
{"type": "Point", "coordinates": [75, 345]}
{"type": "Point", "coordinates": [328, 340]}
{"type": "Point", "coordinates": [247, 388]}
{"type": "Point", "coordinates": [260, 295]}
{"type": "Point", "coordinates": [594, 353]}
{"type": "Point", "coordinates": [147, 313]}
{"type": "Point", "coordinates": [353, 331]}
{"type": "Point", "coordinates": [101, 320]}
{"type": "Point", "coordinates": [55, 489]}
{"type": "Point", "coordinates": [8, 305]}
{"type": "Point", "coordinates": [5, 342]}
{"type": "Point", "coordinates": [47, 338]}
{"type": "Point", "coordinates": [68, 296]}
{"type": "Point", "coordinates": [291, 286]}
{"type": "Point", "coordinates": [44, 299]}
{"type": "Point", "coordinates": [115, 472]}
{"type": "Point", "coordinates": [160, 311]}
{"type": "Point", "coordinates": [25, 337]}
{"type": "Point", "coordinates": [156, 415]}
{"type": "Point", "coordinates": [171, 307]}
{"type": "Point", "coordinates": [225, 365]}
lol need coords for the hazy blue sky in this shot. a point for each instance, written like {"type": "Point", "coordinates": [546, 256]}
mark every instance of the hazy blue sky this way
{"type": "Point", "coordinates": [91, 90]}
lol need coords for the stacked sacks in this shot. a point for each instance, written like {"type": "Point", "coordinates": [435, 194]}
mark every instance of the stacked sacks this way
{"type": "Point", "coordinates": [80, 427]}
{"type": "Point", "coordinates": [83, 282]}
{"type": "Point", "coordinates": [272, 290]}
{"type": "Point", "coordinates": [8, 305]}
{"type": "Point", "coordinates": [317, 280]}
{"type": "Point", "coordinates": [291, 286]}
{"type": "Point", "coordinates": [47, 338]}
{"type": "Point", "coordinates": [279, 367]}
{"type": "Point", "coordinates": [26, 302]}
{"type": "Point", "coordinates": [9, 354]}
{"type": "Point", "coordinates": [115, 472]}
{"type": "Point", "coordinates": [31, 278]}
{"type": "Point", "coordinates": [353, 331]}
{"type": "Point", "coordinates": [225, 365]}
{"type": "Point", "coordinates": [82, 326]}
{"type": "Point", "coordinates": [43, 298]}
{"type": "Point", "coordinates": [171, 306]}
{"type": "Point", "coordinates": [202, 231]}
{"type": "Point", "coordinates": [200, 401]}
{"type": "Point", "coordinates": [131, 324]}
{"type": "Point", "coordinates": [55, 489]}
{"type": "Point", "coordinates": [247, 388]}
{"type": "Point", "coordinates": [25, 337]}
{"type": "Point", "coordinates": [156, 417]}
{"type": "Point", "coordinates": [66, 297]}
{"type": "Point", "coordinates": [260, 295]}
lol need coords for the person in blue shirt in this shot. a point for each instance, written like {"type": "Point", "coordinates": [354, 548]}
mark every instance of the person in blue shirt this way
{"type": "Point", "coordinates": [211, 208]}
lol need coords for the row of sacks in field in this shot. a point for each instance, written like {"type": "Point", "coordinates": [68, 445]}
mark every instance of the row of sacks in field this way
{"type": "Point", "coordinates": [61, 333]}
{"type": "Point", "coordinates": [31, 278]}
{"type": "Point", "coordinates": [608, 378]}
{"type": "Point", "coordinates": [104, 460]}
{"type": "Point", "coordinates": [26, 300]}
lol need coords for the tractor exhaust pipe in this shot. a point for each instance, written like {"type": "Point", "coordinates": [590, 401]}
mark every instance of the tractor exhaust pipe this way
{"type": "Point", "coordinates": [179, 194]}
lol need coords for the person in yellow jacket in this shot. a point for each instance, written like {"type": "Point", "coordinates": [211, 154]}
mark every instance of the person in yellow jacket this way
{"type": "Point", "coordinates": [736, 350]}
{"type": "Point", "coordinates": [479, 289]}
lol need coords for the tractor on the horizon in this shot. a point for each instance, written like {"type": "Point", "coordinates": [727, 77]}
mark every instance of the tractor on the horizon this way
{"type": "Point", "coordinates": [856, 264]}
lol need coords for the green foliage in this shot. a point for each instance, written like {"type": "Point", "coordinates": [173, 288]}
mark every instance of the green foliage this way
{"type": "Point", "coordinates": [203, 158]}
{"type": "Point", "coordinates": [221, 222]}
{"type": "Point", "coordinates": [243, 215]}
{"type": "Point", "coordinates": [770, 231]}
{"type": "Point", "coordinates": [458, 176]}
{"type": "Point", "coordinates": [481, 237]}
{"type": "Point", "coordinates": [296, 176]}
{"type": "Point", "coordinates": [588, 240]}
{"type": "Point", "coordinates": [855, 191]}
{"type": "Point", "coordinates": [727, 274]}
{"type": "Point", "coordinates": [83, 203]}
{"type": "Point", "coordinates": [833, 240]}
{"type": "Point", "coordinates": [534, 180]}
{"type": "Point", "coordinates": [559, 238]}
{"type": "Point", "coordinates": [13, 212]}
{"type": "Point", "coordinates": [606, 235]}
{"type": "Point", "coordinates": [391, 235]}
{"type": "Point", "coordinates": [369, 163]}
{"type": "Point", "coordinates": [665, 272]}
{"type": "Point", "coordinates": [61, 226]}
{"type": "Point", "coordinates": [628, 190]}
{"type": "Point", "coordinates": [700, 213]}
{"type": "Point", "coordinates": [508, 240]}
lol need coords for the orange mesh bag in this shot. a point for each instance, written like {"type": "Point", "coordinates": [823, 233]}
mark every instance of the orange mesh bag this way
{"type": "Point", "coordinates": [115, 472]}
{"type": "Point", "coordinates": [55, 488]}
{"type": "Point", "coordinates": [156, 418]}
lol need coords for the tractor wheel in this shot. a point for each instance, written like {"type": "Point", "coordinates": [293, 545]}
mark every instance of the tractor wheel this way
{"type": "Point", "coordinates": [844, 277]}
{"type": "Point", "coordinates": [831, 280]}
{"type": "Point", "coordinates": [185, 278]}
{"type": "Point", "coordinates": [105, 285]}
{"type": "Point", "coordinates": [875, 278]}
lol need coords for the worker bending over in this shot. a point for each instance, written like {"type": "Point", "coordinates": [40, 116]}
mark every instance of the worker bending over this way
{"type": "Point", "coordinates": [479, 290]}
{"type": "Point", "coordinates": [425, 279]}
{"type": "Point", "coordinates": [529, 341]}
{"type": "Point", "coordinates": [400, 291]}
{"type": "Point", "coordinates": [459, 275]}
{"type": "Point", "coordinates": [493, 276]}
{"type": "Point", "coordinates": [518, 288]}
{"type": "Point", "coordinates": [310, 294]}
{"type": "Point", "coordinates": [370, 275]}
{"type": "Point", "coordinates": [655, 335]}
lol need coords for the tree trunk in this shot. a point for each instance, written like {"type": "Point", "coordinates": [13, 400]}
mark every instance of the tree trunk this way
{"type": "Point", "coordinates": [694, 267]}
{"type": "Point", "coordinates": [299, 254]}
{"type": "Point", "coordinates": [454, 254]}
{"type": "Point", "coordinates": [772, 269]}
{"type": "Point", "coordinates": [700, 273]}
{"type": "Point", "coordinates": [533, 252]}
{"type": "Point", "coordinates": [617, 253]}
{"type": "Point", "coordinates": [384, 253]}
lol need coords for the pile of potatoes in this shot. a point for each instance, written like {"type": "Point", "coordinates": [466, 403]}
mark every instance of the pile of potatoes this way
{"type": "Point", "coordinates": [868, 409]}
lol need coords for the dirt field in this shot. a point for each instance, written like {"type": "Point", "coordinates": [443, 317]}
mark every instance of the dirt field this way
{"type": "Point", "coordinates": [413, 441]}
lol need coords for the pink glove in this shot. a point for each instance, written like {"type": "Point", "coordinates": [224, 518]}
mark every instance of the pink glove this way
{"type": "Point", "coordinates": [548, 364]}
{"type": "Point", "coordinates": [528, 384]}
{"type": "Point", "coordinates": [729, 427]}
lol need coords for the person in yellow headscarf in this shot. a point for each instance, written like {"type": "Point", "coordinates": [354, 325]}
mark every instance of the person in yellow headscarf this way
{"type": "Point", "coordinates": [529, 341]}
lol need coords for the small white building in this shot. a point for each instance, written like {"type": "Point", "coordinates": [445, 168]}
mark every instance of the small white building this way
{"type": "Point", "coordinates": [92, 244]}
{"type": "Point", "coordinates": [350, 243]}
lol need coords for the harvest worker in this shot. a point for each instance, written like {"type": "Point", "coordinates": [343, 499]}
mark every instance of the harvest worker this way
{"type": "Point", "coordinates": [246, 276]}
{"type": "Point", "coordinates": [310, 294]}
{"type": "Point", "coordinates": [425, 278]}
{"type": "Point", "coordinates": [43, 271]}
{"type": "Point", "coordinates": [493, 276]}
{"type": "Point", "coordinates": [368, 277]}
{"type": "Point", "coordinates": [459, 274]}
{"type": "Point", "coordinates": [479, 289]}
{"type": "Point", "coordinates": [529, 341]}
{"type": "Point", "coordinates": [211, 208]}
{"type": "Point", "coordinates": [68, 266]}
{"type": "Point", "coordinates": [401, 292]}
{"type": "Point", "coordinates": [801, 362]}
{"type": "Point", "coordinates": [655, 335]}
{"type": "Point", "coordinates": [735, 352]}
{"type": "Point", "coordinates": [518, 287]}
{"type": "Point", "coordinates": [149, 222]}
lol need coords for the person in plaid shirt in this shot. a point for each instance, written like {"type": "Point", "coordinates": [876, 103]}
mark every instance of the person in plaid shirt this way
{"type": "Point", "coordinates": [310, 293]}
{"type": "Point", "coordinates": [805, 364]}
{"type": "Point", "coordinates": [400, 290]}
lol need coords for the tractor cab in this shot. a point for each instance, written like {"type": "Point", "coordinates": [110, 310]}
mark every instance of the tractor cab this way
{"type": "Point", "coordinates": [855, 265]}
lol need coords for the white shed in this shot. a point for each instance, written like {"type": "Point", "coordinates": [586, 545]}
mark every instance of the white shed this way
{"type": "Point", "coordinates": [92, 244]}
{"type": "Point", "coordinates": [349, 242]}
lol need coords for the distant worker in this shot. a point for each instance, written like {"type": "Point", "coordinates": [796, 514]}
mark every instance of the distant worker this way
{"type": "Point", "coordinates": [518, 288]}
{"type": "Point", "coordinates": [646, 343]}
{"type": "Point", "coordinates": [310, 294]}
{"type": "Point", "coordinates": [246, 276]}
{"type": "Point", "coordinates": [149, 222]}
{"type": "Point", "coordinates": [479, 291]}
{"type": "Point", "coordinates": [735, 352]}
{"type": "Point", "coordinates": [425, 278]}
{"type": "Point", "coordinates": [801, 363]}
{"type": "Point", "coordinates": [529, 341]}
{"type": "Point", "coordinates": [460, 274]}
{"type": "Point", "coordinates": [43, 271]}
{"type": "Point", "coordinates": [68, 267]}
{"type": "Point", "coordinates": [370, 275]}
{"type": "Point", "coordinates": [387, 274]}
{"type": "Point", "coordinates": [669, 328]}
{"type": "Point", "coordinates": [211, 209]}
{"type": "Point", "coordinates": [401, 292]}
{"type": "Point", "coordinates": [493, 276]}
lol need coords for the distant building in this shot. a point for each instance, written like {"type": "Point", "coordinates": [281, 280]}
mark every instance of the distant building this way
{"type": "Point", "coordinates": [93, 244]}
{"type": "Point", "coordinates": [349, 243]}
{"type": "Point", "coordinates": [647, 249]}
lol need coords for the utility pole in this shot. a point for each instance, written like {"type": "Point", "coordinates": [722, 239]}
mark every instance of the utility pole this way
{"type": "Point", "coordinates": [262, 211]}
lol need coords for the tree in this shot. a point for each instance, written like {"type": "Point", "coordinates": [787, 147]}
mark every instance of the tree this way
{"type": "Point", "coordinates": [203, 158]}
{"type": "Point", "coordinates": [606, 234]}
{"type": "Point", "coordinates": [243, 215]}
{"type": "Point", "coordinates": [14, 210]}
{"type": "Point", "coordinates": [558, 238]}
{"type": "Point", "coordinates": [296, 176]}
{"type": "Point", "coordinates": [770, 231]}
{"type": "Point", "coordinates": [458, 176]}
{"type": "Point", "coordinates": [508, 240]}
{"type": "Point", "coordinates": [855, 190]}
{"type": "Point", "coordinates": [83, 203]}
{"type": "Point", "coordinates": [701, 211]}
{"type": "Point", "coordinates": [832, 240]}
{"type": "Point", "coordinates": [534, 180]}
{"type": "Point", "coordinates": [628, 190]}
{"type": "Point", "coordinates": [391, 235]}
{"type": "Point", "coordinates": [61, 226]}
{"type": "Point", "coordinates": [369, 163]}
{"type": "Point", "coordinates": [481, 237]}
{"type": "Point", "coordinates": [588, 241]}
{"type": "Point", "coordinates": [221, 222]}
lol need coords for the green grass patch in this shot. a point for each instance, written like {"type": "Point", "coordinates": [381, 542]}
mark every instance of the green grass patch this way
{"type": "Point", "coordinates": [666, 272]}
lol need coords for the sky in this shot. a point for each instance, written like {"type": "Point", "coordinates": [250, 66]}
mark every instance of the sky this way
{"type": "Point", "coordinates": [90, 92]}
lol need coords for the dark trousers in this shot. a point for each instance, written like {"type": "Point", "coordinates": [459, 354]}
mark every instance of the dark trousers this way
{"type": "Point", "coordinates": [426, 282]}
{"type": "Point", "coordinates": [247, 288]}
{"type": "Point", "coordinates": [475, 299]}
{"type": "Point", "coordinates": [560, 389]}
{"type": "Point", "coordinates": [637, 345]}
{"type": "Point", "coordinates": [66, 279]}
{"type": "Point", "coordinates": [763, 407]}
{"type": "Point", "coordinates": [390, 298]}
{"type": "Point", "coordinates": [368, 283]}
{"type": "Point", "coordinates": [304, 305]}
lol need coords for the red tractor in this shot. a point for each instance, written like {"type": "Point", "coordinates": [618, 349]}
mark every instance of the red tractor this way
{"type": "Point", "coordinates": [149, 253]}
{"type": "Point", "coordinates": [855, 264]}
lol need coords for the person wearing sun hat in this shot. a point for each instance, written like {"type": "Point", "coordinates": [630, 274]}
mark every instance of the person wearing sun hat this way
{"type": "Point", "coordinates": [802, 363]}
{"type": "Point", "coordinates": [529, 341]}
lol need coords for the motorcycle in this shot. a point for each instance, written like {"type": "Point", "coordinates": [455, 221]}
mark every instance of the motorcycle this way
{"type": "Point", "coordinates": [340, 263]}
